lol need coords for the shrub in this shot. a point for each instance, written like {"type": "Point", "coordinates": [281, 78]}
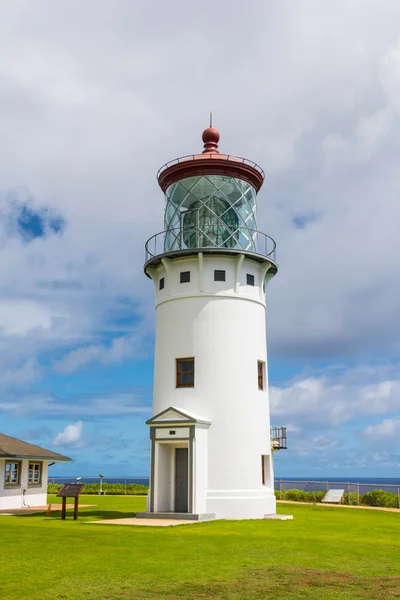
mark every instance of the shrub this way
{"type": "Point", "coordinates": [280, 495]}
{"type": "Point", "coordinates": [380, 498]}
{"type": "Point", "coordinates": [53, 488]}
{"type": "Point", "coordinates": [131, 489]}
{"type": "Point", "coordinates": [296, 495]}
{"type": "Point", "coordinates": [350, 498]}
{"type": "Point", "coordinates": [315, 496]}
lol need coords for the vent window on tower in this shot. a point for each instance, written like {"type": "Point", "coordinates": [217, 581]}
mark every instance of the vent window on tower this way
{"type": "Point", "coordinates": [184, 372]}
{"type": "Point", "coordinates": [260, 374]}
{"type": "Point", "coordinates": [161, 283]}
{"type": "Point", "coordinates": [249, 279]}
{"type": "Point", "coordinates": [185, 276]}
{"type": "Point", "coordinates": [266, 470]}
{"type": "Point", "coordinates": [219, 275]}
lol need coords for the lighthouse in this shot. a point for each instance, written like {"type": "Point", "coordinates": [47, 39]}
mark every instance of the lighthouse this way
{"type": "Point", "coordinates": [211, 446]}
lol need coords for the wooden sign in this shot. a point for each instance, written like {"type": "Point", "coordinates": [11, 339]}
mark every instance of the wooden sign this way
{"type": "Point", "coordinates": [70, 490]}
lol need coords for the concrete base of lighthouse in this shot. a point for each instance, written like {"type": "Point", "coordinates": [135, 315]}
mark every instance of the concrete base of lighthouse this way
{"type": "Point", "coordinates": [241, 504]}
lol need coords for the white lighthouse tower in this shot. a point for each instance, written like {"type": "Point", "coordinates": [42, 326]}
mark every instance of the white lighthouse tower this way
{"type": "Point", "coordinates": [211, 451]}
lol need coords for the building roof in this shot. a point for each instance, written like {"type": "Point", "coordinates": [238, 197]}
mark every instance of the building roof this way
{"type": "Point", "coordinates": [12, 448]}
{"type": "Point", "coordinates": [175, 415]}
{"type": "Point", "coordinates": [210, 162]}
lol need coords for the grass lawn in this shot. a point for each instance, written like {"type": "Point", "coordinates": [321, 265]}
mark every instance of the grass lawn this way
{"type": "Point", "coordinates": [325, 553]}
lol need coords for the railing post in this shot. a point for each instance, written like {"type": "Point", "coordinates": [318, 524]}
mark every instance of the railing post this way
{"type": "Point", "coordinates": [280, 489]}
{"type": "Point", "coordinates": [358, 493]}
{"type": "Point", "coordinates": [327, 486]}
{"type": "Point", "coordinates": [398, 496]}
{"type": "Point", "coordinates": [348, 492]}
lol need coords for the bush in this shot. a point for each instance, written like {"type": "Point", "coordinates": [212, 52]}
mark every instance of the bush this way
{"type": "Point", "coordinates": [296, 495]}
{"type": "Point", "coordinates": [300, 495]}
{"type": "Point", "coordinates": [314, 496]}
{"type": "Point", "coordinates": [53, 488]}
{"type": "Point", "coordinates": [131, 489]}
{"type": "Point", "coordinates": [350, 498]}
{"type": "Point", "coordinates": [380, 498]}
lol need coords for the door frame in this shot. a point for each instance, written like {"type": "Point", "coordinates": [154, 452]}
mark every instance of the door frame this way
{"type": "Point", "coordinates": [154, 476]}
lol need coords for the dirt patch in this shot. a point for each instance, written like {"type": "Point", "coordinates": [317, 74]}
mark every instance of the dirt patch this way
{"type": "Point", "coordinates": [281, 584]}
{"type": "Point", "coordinates": [327, 504]}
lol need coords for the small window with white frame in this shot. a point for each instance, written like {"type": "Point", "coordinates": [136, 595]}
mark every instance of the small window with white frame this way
{"type": "Point", "coordinates": [12, 474]}
{"type": "Point", "coordinates": [35, 473]}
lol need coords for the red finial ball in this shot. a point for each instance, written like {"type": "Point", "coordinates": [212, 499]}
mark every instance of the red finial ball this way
{"type": "Point", "coordinates": [210, 138]}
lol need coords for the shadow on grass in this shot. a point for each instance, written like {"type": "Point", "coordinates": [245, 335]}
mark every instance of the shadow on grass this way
{"type": "Point", "coordinates": [84, 514]}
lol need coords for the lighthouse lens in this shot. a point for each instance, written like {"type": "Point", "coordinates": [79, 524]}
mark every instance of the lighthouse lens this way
{"type": "Point", "coordinates": [210, 211]}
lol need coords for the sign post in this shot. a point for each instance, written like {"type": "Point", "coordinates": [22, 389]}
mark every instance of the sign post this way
{"type": "Point", "coordinates": [70, 490]}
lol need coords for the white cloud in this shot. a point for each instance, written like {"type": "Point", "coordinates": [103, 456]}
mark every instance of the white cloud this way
{"type": "Point", "coordinates": [386, 431]}
{"type": "Point", "coordinates": [18, 317]}
{"type": "Point", "coordinates": [120, 349]}
{"type": "Point", "coordinates": [71, 436]}
{"type": "Point", "coordinates": [334, 399]}
{"type": "Point", "coordinates": [94, 406]}
{"type": "Point", "coordinates": [27, 373]}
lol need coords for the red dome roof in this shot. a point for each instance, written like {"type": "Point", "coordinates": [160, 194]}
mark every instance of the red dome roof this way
{"type": "Point", "coordinates": [210, 162]}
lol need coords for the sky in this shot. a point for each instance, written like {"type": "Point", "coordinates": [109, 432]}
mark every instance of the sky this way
{"type": "Point", "coordinates": [94, 97]}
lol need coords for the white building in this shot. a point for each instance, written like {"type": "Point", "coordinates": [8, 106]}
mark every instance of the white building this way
{"type": "Point", "coordinates": [210, 431]}
{"type": "Point", "coordinates": [24, 473]}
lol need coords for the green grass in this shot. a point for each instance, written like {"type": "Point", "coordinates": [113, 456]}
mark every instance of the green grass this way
{"type": "Point", "coordinates": [325, 553]}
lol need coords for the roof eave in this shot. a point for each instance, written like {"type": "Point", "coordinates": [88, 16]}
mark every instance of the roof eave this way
{"type": "Point", "coordinates": [30, 457]}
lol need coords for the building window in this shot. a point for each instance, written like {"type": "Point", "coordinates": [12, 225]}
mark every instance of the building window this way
{"type": "Point", "coordinates": [260, 374]}
{"type": "Point", "coordinates": [185, 276]}
{"type": "Point", "coordinates": [35, 473]}
{"type": "Point", "coordinates": [184, 372]}
{"type": "Point", "coordinates": [219, 275]}
{"type": "Point", "coordinates": [161, 283]}
{"type": "Point", "coordinates": [13, 473]}
{"type": "Point", "coordinates": [249, 279]}
{"type": "Point", "coordinates": [262, 470]}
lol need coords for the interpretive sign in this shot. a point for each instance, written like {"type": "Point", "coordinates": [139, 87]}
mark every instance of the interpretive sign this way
{"type": "Point", "coordinates": [333, 496]}
{"type": "Point", "coordinates": [70, 490]}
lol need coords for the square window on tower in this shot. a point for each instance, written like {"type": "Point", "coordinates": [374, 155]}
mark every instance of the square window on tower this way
{"type": "Point", "coordinates": [249, 279]}
{"type": "Point", "coordinates": [185, 276]}
{"type": "Point", "coordinates": [219, 275]}
{"type": "Point", "coordinates": [184, 372]}
{"type": "Point", "coordinates": [161, 283]}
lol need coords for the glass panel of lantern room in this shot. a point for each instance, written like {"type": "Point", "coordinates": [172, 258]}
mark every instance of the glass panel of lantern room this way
{"type": "Point", "coordinates": [210, 211]}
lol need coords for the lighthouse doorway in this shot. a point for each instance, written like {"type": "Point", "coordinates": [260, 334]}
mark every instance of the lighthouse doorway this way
{"type": "Point", "coordinates": [181, 479]}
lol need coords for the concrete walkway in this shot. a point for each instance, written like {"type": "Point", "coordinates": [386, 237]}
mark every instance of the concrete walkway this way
{"type": "Point", "coordinates": [31, 510]}
{"type": "Point", "coordinates": [143, 522]}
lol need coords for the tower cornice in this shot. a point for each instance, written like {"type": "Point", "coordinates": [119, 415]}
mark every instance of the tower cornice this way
{"type": "Point", "coordinates": [211, 163]}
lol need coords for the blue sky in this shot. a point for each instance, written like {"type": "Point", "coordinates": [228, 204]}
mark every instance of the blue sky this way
{"type": "Point", "coordinates": [94, 99]}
